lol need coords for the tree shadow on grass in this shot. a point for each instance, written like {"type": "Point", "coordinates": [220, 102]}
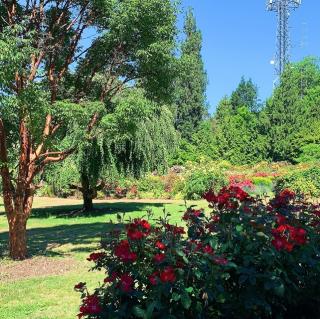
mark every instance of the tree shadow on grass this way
{"type": "Point", "coordinates": [44, 241]}
{"type": "Point", "coordinates": [100, 209]}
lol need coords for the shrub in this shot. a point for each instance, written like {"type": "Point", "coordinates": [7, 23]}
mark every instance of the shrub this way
{"type": "Point", "coordinates": [60, 176]}
{"type": "Point", "coordinates": [153, 185]}
{"type": "Point", "coordinates": [305, 182]}
{"type": "Point", "coordinates": [245, 259]}
{"type": "Point", "coordinates": [309, 153]}
{"type": "Point", "coordinates": [46, 191]}
{"type": "Point", "coordinates": [202, 177]}
{"type": "Point", "coordinates": [198, 182]}
{"type": "Point", "coordinates": [262, 181]}
{"type": "Point", "coordinates": [262, 185]}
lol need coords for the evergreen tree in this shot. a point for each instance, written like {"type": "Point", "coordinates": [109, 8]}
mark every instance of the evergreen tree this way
{"type": "Point", "coordinates": [292, 115]}
{"type": "Point", "coordinates": [192, 81]}
{"type": "Point", "coordinates": [246, 94]}
{"type": "Point", "coordinates": [237, 135]}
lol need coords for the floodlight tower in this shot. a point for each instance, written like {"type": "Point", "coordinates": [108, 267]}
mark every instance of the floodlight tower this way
{"type": "Point", "coordinates": [282, 8]}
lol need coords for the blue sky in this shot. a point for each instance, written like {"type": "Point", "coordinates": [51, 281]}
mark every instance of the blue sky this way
{"type": "Point", "coordinates": [239, 38]}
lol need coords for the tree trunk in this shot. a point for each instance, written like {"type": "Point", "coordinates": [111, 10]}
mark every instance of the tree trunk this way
{"type": "Point", "coordinates": [87, 202]}
{"type": "Point", "coordinates": [88, 193]}
{"type": "Point", "coordinates": [18, 213]}
{"type": "Point", "coordinates": [18, 236]}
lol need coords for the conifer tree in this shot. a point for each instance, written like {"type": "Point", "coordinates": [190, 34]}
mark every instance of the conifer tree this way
{"type": "Point", "coordinates": [192, 81]}
{"type": "Point", "coordinates": [246, 94]}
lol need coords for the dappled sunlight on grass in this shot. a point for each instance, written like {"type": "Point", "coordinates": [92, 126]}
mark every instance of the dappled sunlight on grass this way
{"type": "Point", "coordinates": [54, 234]}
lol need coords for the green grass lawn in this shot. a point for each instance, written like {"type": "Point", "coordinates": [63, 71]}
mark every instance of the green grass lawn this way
{"type": "Point", "coordinates": [56, 241]}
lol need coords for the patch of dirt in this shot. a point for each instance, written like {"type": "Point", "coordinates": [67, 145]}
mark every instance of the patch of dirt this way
{"type": "Point", "coordinates": [35, 267]}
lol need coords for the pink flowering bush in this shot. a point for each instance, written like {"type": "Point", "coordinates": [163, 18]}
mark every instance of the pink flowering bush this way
{"type": "Point", "coordinates": [244, 259]}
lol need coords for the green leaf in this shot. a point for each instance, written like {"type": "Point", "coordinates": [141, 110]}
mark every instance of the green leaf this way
{"type": "Point", "coordinates": [175, 296]}
{"type": "Point", "coordinates": [150, 310]}
{"type": "Point", "coordinates": [186, 301]}
{"type": "Point", "coordinates": [139, 312]}
{"type": "Point", "coordinates": [261, 234]}
{"type": "Point", "coordinates": [239, 228]}
{"type": "Point", "coordinates": [189, 290]}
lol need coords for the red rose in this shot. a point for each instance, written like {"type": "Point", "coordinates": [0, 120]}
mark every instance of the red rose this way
{"type": "Point", "coordinates": [220, 260]}
{"type": "Point", "coordinates": [95, 256]}
{"type": "Point", "coordinates": [288, 246]}
{"type": "Point", "coordinates": [144, 224]}
{"type": "Point", "coordinates": [246, 209]}
{"type": "Point", "coordinates": [278, 243]}
{"type": "Point", "coordinates": [210, 197]}
{"type": "Point", "coordinates": [196, 245]}
{"type": "Point", "coordinates": [286, 237]}
{"type": "Point", "coordinates": [123, 252]}
{"type": "Point", "coordinates": [208, 250]}
{"type": "Point", "coordinates": [80, 286]}
{"type": "Point", "coordinates": [138, 229]}
{"type": "Point", "coordinates": [192, 214]}
{"type": "Point", "coordinates": [280, 219]}
{"type": "Point", "coordinates": [135, 234]}
{"type": "Point", "coordinates": [90, 306]}
{"type": "Point", "coordinates": [112, 278]}
{"type": "Point", "coordinates": [153, 278]}
{"type": "Point", "coordinates": [175, 229]}
{"type": "Point", "coordinates": [126, 283]}
{"type": "Point", "coordinates": [299, 236]}
{"type": "Point", "coordinates": [168, 275]}
{"type": "Point", "coordinates": [158, 258]}
{"type": "Point", "coordinates": [160, 245]}
{"type": "Point", "coordinates": [215, 218]}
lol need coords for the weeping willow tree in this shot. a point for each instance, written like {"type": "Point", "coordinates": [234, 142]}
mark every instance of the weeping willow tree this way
{"type": "Point", "coordinates": [136, 136]}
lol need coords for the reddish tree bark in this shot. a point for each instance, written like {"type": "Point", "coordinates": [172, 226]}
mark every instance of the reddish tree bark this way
{"type": "Point", "coordinates": [18, 192]}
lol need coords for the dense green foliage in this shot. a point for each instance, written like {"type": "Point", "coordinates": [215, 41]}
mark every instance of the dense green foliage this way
{"type": "Point", "coordinates": [246, 94]}
{"type": "Point", "coordinates": [136, 137]}
{"type": "Point", "coordinates": [305, 182]}
{"type": "Point", "coordinates": [130, 68]}
{"type": "Point", "coordinates": [245, 131]}
{"type": "Point", "coordinates": [246, 259]}
{"type": "Point", "coordinates": [292, 114]}
{"type": "Point", "coordinates": [190, 98]}
{"type": "Point", "coordinates": [309, 153]}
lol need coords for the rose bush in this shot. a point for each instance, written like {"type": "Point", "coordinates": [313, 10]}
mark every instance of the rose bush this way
{"type": "Point", "coordinates": [247, 258]}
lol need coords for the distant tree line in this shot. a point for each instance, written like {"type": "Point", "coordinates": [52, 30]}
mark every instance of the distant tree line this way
{"type": "Point", "coordinates": [244, 130]}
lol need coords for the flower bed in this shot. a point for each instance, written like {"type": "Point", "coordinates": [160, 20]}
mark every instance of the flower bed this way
{"type": "Point", "coordinates": [246, 259]}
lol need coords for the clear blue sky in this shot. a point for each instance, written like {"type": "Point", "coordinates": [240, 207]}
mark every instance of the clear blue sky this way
{"type": "Point", "coordinates": [239, 38]}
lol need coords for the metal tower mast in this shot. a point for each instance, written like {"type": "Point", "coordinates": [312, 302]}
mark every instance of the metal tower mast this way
{"type": "Point", "coordinates": [282, 8]}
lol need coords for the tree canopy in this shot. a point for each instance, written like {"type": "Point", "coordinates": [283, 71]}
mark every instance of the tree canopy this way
{"type": "Point", "coordinates": [191, 84]}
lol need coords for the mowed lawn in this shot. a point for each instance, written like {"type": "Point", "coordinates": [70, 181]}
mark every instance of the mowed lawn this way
{"type": "Point", "coordinates": [41, 287]}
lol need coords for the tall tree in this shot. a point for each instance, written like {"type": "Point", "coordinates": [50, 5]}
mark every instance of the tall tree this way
{"type": "Point", "coordinates": [136, 52]}
{"type": "Point", "coordinates": [39, 41]}
{"type": "Point", "coordinates": [192, 81]}
{"type": "Point", "coordinates": [246, 94]}
{"type": "Point", "coordinates": [237, 134]}
{"type": "Point", "coordinates": [293, 110]}
{"type": "Point", "coordinates": [136, 137]}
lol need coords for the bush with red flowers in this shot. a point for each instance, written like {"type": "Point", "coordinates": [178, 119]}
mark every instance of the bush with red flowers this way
{"type": "Point", "coordinates": [248, 258]}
